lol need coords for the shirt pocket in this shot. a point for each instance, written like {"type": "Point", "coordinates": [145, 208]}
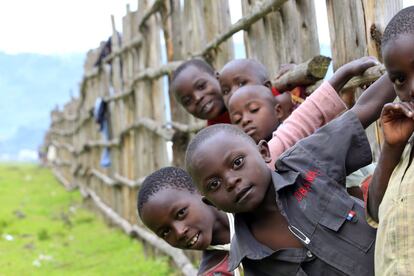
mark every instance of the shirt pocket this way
{"type": "Point", "coordinates": [346, 219]}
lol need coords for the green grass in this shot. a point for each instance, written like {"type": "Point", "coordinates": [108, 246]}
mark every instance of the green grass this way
{"type": "Point", "coordinates": [44, 230]}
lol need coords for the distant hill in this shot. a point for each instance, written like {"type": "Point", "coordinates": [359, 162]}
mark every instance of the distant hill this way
{"type": "Point", "coordinates": [31, 85]}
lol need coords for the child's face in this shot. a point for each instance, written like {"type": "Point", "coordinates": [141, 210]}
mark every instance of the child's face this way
{"type": "Point", "coordinates": [236, 75]}
{"type": "Point", "coordinates": [399, 61]}
{"type": "Point", "coordinates": [180, 218]}
{"type": "Point", "coordinates": [199, 93]}
{"type": "Point", "coordinates": [285, 101]}
{"type": "Point", "coordinates": [254, 110]}
{"type": "Point", "coordinates": [231, 172]}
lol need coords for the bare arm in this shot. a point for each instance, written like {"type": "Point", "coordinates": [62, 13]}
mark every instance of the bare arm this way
{"type": "Point", "coordinates": [369, 105]}
{"type": "Point", "coordinates": [349, 70]}
{"type": "Point", "coordinates": [390, 156]}
{"type": "Point", "coordinates": [398, 125]}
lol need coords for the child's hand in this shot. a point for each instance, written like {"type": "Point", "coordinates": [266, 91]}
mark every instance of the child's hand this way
{"type": "Point", "coordinates": [358, 66]}
{"type": "Point", "coordinates": [349, 70]}
{"type": "Point", "coordinates": [398, 122]}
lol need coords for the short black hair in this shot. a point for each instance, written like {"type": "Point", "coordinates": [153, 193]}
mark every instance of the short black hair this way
{"type": "Point", "coordinates": [196, 62]}
{"type": "Point", "coordinates": [164, 178]}
{"type": "Point", "coordinates": [401, 23]}
{"type": "Point", "coordinates": [209, 132]}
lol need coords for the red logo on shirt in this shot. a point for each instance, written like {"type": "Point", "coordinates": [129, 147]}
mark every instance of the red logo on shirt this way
{"type": "Point", "coordinates": [302, 191]}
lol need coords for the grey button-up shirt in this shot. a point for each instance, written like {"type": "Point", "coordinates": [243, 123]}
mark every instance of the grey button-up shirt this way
{"type": "Point", "coordinates": [310, 192]}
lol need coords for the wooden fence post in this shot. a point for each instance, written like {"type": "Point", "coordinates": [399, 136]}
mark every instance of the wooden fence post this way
{"type": "Point", "coordinates": [288, 35]}
{"type": "Point", "coordinates": [350, 23]}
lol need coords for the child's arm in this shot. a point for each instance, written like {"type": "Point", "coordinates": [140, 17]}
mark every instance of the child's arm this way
{"type": "Point", "coordinates": [318, 109]}
{"type": "Point", "coordinates": [368, 107]}
{"type": "Point", "coordinates": [349, 70]}
{"type": "Point", "coordinates": [398, 125]}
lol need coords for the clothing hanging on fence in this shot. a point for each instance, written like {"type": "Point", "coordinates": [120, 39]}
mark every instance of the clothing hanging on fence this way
{"type": "Point", "coordinates": [101, 118]}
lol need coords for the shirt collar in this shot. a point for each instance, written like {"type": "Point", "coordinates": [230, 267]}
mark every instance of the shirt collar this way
{"type": "Point", "coordinates": [282, 179]}
{"type": "Point", "coordinates": [243, 244]}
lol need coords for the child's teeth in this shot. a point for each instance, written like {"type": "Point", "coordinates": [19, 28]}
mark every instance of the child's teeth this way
{"type": "Point", "coordinates": [193, 240]}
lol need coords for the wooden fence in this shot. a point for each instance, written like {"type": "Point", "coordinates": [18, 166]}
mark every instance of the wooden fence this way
{"type": "Point", "coordinates": [132, 79]}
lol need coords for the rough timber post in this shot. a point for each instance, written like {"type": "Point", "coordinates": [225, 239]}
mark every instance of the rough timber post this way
{"type": "Point", "coordinates": [204, 20]}
{"type": "Point", "coordinates": [128, 146]}
{"type": "Point", "coordinates": [174, 40]}
{"type": "Point", "coordinates": [288, 35]}
{"type": "Point", "coordinates": [150, 151]}
{"type": "Point", "coordinates": [117, 117]}
{"type": "Point", "coordinates": [350, 24]}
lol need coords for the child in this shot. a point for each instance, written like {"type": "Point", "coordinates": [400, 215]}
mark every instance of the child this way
{"type": "Point", "coordinates": [196, 88]}
{"type": "Point", "coordinates": [241, 72]}
{"type": "Point", "coordinates": [254, 109]}
{"type": "Point", "coordinates": [298, 219]}
{"type": "Point", "coordinates": [169, 205]}
{"type": "Point", "coordinates": [391, 192]}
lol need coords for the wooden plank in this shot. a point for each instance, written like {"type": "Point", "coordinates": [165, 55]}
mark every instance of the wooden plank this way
{"type": "Point", "coordinates": [286, 35]}
{"type": "Point", "coordinates": [350, 23]}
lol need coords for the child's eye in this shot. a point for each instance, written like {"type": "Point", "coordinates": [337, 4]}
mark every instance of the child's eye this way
{"type": "Point", "coordinates": [399, 80]}
{"type": "Point", "coordinates": [236, 120]}
{"type": "Point", "coordinates": [213, 184]}
{"type": "Point", "coordinates": [181, 213]}
{"type": "Point", "coordinates": [242, 83]}
{"type": "Point", "coordinates": [186, 101]}
{"type": "Point", "coordinates": [201, 86]}
{"type": "Point", "coordinates": [225, 91]}
{"type": "Point", "coordinates": [165, 233]}
{"type": "Point", "coordinates": [254, 110]}
{"type": "Point", "coordinates": [238, 162]}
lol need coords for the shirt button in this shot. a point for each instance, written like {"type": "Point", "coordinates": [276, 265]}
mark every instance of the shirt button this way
{"type": "Point", "coordinates": [309, 254]}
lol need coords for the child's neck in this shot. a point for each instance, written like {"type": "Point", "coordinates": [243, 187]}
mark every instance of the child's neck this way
{"type": "Point", "coordinates": [267, 207]}
{"type": "Point", "coordinates": [221, 230]}
{"type": "Point", "coordinates": [271, 134]}
{"type": "Point", "coordinates": [269, 226]}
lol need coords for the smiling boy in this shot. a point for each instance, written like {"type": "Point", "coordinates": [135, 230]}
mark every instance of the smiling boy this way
{"type": "Point", "coordinates": [196, 88]}
{"type": "Point", "coordinates": [170, 206]}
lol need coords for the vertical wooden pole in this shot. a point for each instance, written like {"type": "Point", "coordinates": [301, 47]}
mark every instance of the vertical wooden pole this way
{"type": "Point", "coordinates": [288, 35]}
{"type": "Point", "coordinates": [204, 20]}
{"type": "Point", "coordinates": [350, 24]}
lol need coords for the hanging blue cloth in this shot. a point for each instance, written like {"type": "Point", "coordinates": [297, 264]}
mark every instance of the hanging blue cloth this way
{"type": "Point", "coordinates": [101, 117]}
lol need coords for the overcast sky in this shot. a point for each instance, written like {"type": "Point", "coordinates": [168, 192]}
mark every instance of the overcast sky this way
{"type": "Point", "coordinates": [56, 26]}
{"type": "Point", "coordinates": [59, 27]}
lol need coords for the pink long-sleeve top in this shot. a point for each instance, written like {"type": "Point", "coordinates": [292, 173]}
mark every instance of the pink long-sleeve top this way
{"type": "Point", "coordinates": [323, 105]}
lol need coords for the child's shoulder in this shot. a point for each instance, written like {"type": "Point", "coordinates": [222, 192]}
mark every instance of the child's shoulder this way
{"type": "Point", "coordinates": [214, 262]}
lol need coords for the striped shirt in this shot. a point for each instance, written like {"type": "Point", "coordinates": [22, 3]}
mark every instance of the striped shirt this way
{"type": "Point", "coordinates": [394, 249]}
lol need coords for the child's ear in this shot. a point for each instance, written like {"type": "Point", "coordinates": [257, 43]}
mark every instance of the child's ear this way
{"type": "Point", "coordinates": [207, 202]}
{"type": "Point", "coordinates": [263, 148]}
{"type": "Point", "coordinates": [280, 113]}
{"type": "Point", "coordinates": [268, 84]}
{"type": "Point", "coordinates": [217, 75]}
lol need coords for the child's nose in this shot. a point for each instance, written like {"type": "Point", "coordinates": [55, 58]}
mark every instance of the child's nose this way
{"type": "Point", "coordinates": [198, 96]}
{"type": "Point", "coordinates": [181, 230]}
{"type": "Point", "coordinates": [246, 120]}
{"type": "Point", "coordinates": [231, 182]}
